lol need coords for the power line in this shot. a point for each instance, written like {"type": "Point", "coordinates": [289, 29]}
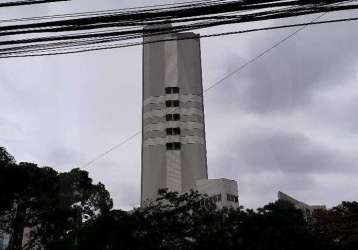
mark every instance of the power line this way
{"type": "Point", "coordinates": [8, 53]}
{"type": "Point", "coordinates": [109, 30]}
{"type": "Point", "coordinates": [28, 2]}
{"type": "Point", "coordinates": [112, 149]}
{"type": "Point", "coordinates": [215, 84]}
{"type": "Point", "coordinates": [101, 12]}
{"type": "Point", "coordinates": [132, 10]}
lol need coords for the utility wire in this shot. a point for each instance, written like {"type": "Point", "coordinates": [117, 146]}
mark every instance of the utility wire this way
{"type": "Point", "coordinates": [213, 85]}
{"type": "Point", "coordinates": [62, 36]}
{"type": "Point", "coordinates": [101, 12]}
{"type": "Point", "coordinates": [132, 10]}
{"type": "Point", "coordinates": [112, 149]}
{"type": "Point", "coordinates": [83, 45]}
{"type": "Point", "coordinates": [28, 2]}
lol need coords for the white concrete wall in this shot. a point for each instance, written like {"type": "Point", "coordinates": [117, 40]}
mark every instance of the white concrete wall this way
{"type": "Point", "coordinates": [221, 186]}
{"type": "Point", "coordinates": [172, 64]}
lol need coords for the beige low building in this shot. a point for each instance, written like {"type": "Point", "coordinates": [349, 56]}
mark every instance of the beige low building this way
{"type": "Point", "coordinates": [308, 210]}
{"type": "Point", "coordinates": [223, 192]}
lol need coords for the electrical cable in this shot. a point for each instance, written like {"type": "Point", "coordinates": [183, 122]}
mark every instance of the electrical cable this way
{"type": "Point", "coordinates": [131, 29]}
{"type": "Point", "coordinates": [101, 12]}
{"type": "Point", "coordinates": [7, 53]}
{"type": "Point", "coordinates": [28, 2]}
{"type": "Point", "coordinates": [175, 15]}
{"type": "Point", "coordinates": [112, 148]}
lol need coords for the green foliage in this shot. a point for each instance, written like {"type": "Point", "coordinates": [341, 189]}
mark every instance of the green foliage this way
{"type": "Point", "coordinates": [52, 204]}
{"type": "Point", "coordinates": [339, 226]}
{"type": "Point", "coordinates": [181, 221]}
{"type": "Point", "coordinates": [171, 222]}
{"type": "Point", "coordinates": [5, 157]}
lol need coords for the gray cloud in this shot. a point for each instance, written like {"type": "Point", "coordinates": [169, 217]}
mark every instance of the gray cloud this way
{"type": "Point", "coordinates": [62, 156]}
{"type": "Point", "coordinates": [286, 153]}
{"type": "Point", "coordinates": [286, 79]}
{"type": "Point", "coordinates": [338, 112]}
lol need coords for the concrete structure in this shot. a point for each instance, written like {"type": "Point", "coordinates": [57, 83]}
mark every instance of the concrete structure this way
{"type": "Point", "coordinates": [4, 240]}
{"type": "Point", "coordinates": [308, 210]}
{"type": "Point", "coordinates": [173, 128]}
{"type": "Point", "coordinates": [173, 134]}
{"type": "Point", "coordinates": [222, 191]}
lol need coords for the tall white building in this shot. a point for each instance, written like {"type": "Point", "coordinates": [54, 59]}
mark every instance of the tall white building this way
{"type": "Point", "coordinates": [173, 128]}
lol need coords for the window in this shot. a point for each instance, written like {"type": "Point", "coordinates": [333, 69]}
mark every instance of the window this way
{"type": "Point", "coordinates": [215, 198]}
{"type": "Point", "coordinates": [177, 145]}
{"type": "Point", "coordinates": [169, 131]}
{"type": "Point", "coordinates": [173, 131]}
{"type": "Point", "coordinates": [173, 146]}
{"type": "Point", "coordinates": [232, 198]}
{"type": "Point", "coordinates": [172, 103]}
{"type": "Point", "coordinates": [172, 117]}
{"type": "Point", "coordinates": [176, 131]}
{"type": "Point", "coordinates": [172, 90]}
{"type": "Point", "coordinates": [170, 146]}
{"type": "Point", "coordinates": [176, 117]}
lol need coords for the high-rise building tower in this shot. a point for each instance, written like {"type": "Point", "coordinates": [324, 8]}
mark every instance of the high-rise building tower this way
{"type": "Point", "coordinates": [173, 130]}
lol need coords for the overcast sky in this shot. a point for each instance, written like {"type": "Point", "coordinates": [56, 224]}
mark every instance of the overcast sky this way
{"type": "Point", "coordinates": [288, 121]}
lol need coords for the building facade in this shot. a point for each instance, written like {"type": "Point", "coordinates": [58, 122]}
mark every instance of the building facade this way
{"type": "Point", "coordinates": [173, 128]}
{"type": "Point", "coordinates": [173, 134]}
{"type": "Point", "coordinates": [223, 192]}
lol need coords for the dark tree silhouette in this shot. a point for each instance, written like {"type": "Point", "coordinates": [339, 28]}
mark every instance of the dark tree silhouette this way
{"type": "Point", "coordinates": [339, 226]}
{"type": "Point", "coordinates": [65, 211]}
{"type": "Point", "coordinates": [46, 204]}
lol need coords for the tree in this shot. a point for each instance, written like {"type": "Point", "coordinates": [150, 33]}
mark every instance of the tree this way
{"type": "Point", "coordinates": [170, 222]}
{"type": "Point", "coordinates": [78, 201]}
{"type": "Point", "coordinates": [276, 226]}
{"type": "Point", "coordinates": [49, 205]}
{"type": "Point", "coordinates": [5, 157]}
{"type": "Point", "coordinates": [6, 195]}
{"type": "Point", "coordinates": [339, 226]}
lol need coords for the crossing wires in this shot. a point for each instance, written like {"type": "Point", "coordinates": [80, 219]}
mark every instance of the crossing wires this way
{"type": "Point", "coordinates": [82, 32]}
